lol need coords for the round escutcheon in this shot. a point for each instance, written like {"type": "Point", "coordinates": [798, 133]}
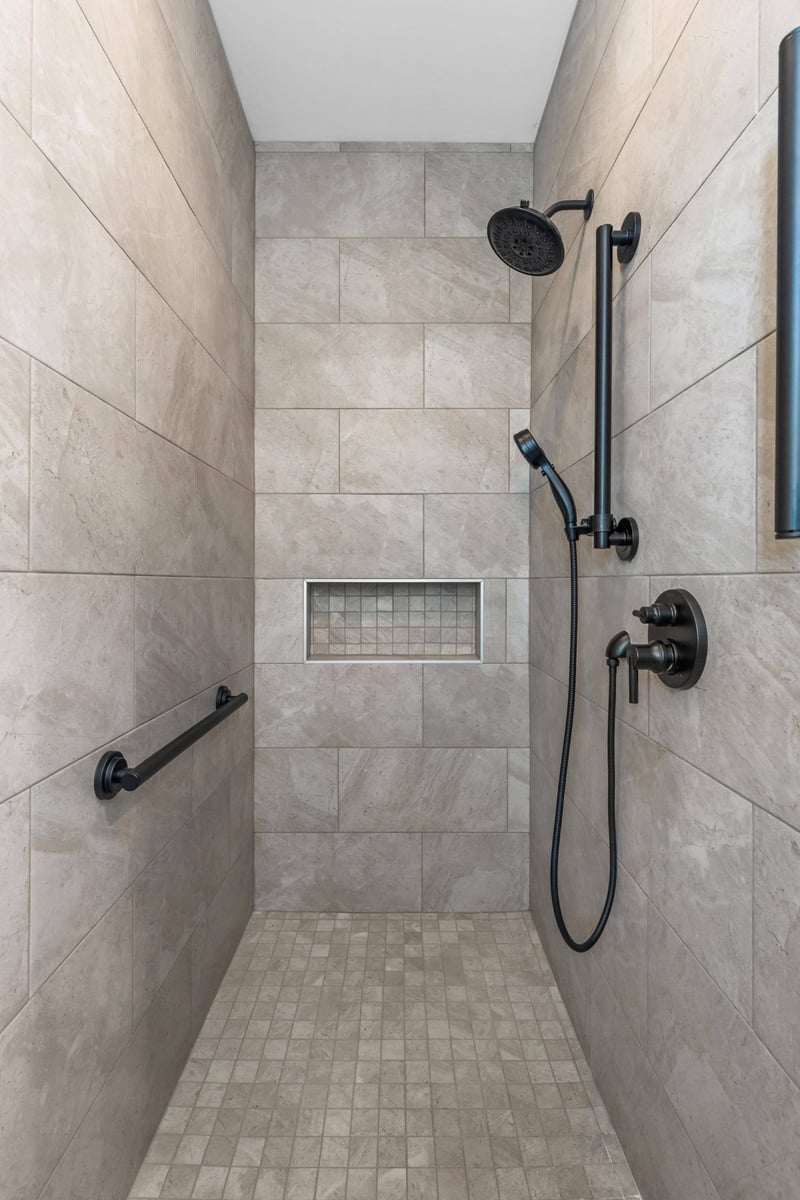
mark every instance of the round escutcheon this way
{"type": "Point", "coordinates": [689, 635]}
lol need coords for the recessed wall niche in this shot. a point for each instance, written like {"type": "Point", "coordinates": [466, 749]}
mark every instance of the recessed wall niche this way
{"type": "Point", "coordinates": [437, 620]}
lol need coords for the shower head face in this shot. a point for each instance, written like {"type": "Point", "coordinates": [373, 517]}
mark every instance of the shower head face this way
{"type": "Point", "coordinates": [526, 240]}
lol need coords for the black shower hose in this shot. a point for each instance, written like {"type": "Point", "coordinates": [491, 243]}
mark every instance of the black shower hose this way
{"type": "Point", "coordinates": [582, 947]}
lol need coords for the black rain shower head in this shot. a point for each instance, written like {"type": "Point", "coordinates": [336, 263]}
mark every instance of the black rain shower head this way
{"type": "Point", "coordinates": [527, 240]}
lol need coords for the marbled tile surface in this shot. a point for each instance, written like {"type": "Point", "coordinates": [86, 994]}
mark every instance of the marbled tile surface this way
{"type": "Point", "coordinates": [392, 1057]}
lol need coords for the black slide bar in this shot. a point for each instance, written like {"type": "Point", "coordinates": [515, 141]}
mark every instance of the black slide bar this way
{"type": "Point", "coordinates": [787, 380]}
{"type": "Point", "coordinates": [113, 773]}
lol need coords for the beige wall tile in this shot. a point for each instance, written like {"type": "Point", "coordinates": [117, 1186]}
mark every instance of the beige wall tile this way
{"type": "Point", "coordinates": [476, 704]}
{"type": "Point", "coordinates": [520, 298]}
{"type": "Point", "coordinates": [219, 100]}
{"type": "Point", "coordinates": [339, 704]}
{"type": "Point", "coordinates": [83, 119]}
{"type": "Point", "coordinates": [61, 638]}
{"type": "Point", "coordinates": [465, 873]}
{"type": "Point", "coordinates": [494, 620]}
{"type": "Point", "coordinates": [517, 620]}
{"type": "Point", "coordinates": [691, 1028]}
{"type": "Point", "coordinates": [339, 195]}
{"type": "Point", "coordinates": [712, 301]}
{"type": "Point", "coordinates": [15, 60]}
{"type": "Point", "coordinates": [279, 620]}
{"type": "Point", "coordinates": [115, 26]}
{"type": "Point", "coordinates": [297, 451]}
{"type": "Point", "coordinates": [14, 455]}
{"type": "Point", "coordinates": [66, 1049]}
{"type": "Point", "coordinates": [296, 791]}
{"type": "Point", "coordinates": [84, 854]}
{"type": "Point", "coordinates": [15, 876]}
{"type": "Point", "coordinates": [345, 537]}
{"type": "Point", "coordinates": [181, 21]}
{"type": "Point", "coordinates": [778, 17]}
{"type": "Point", "coordinates": [462, 190]}
{"type": "Point", "coordinates": [337, 366]}
{"type": "Point", "coordinates": [519, 471]}
{"type": "Point", "coordinates": [221, 320]}
{"type": "Point", "coordinates": [297, 279]}
{"type": "Point", "coordinates": [519, 790]}
{"type": "Point", "coordinates": [422, 790]}
{"type": "Point", "coordinates": [776, 902]}
{"type": "Point", "coordinates": [340, 872]}
{"type": "Point", "coordinates": [477, 366]}
{"type": "Point", "coordinates": [223, 751]}
{"type": "Point", "coordinates": [223, 524]}
{"type": "Point", "coordinates": [464, 451]}
{"type": "Point", "coordinates": [68, 297]}
{"type": "Point", "coordinates": [413, 279]}
{"type": "Point", "coordinates": [772, 555]}
{"type": "Point", "coordinates": [476, 535]}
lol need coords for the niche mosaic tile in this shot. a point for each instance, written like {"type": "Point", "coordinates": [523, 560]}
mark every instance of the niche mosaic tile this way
{"type": "Point", "coordinates": [395, 619]}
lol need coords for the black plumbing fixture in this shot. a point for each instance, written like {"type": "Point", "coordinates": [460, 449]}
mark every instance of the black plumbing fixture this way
{"type": "Point", "coordinates": [787, 381]}
{"type": "Point", "coordinates": [113, 773]}
{"type": "Point", "coordinates": [679, 659]}
{"type": "Point", "coordinates": [527, 240]}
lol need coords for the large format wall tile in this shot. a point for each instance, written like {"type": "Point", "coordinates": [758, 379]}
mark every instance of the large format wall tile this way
{"type": "Point", "coordinates": [338, 366]}
{"type": "Point", "coordinates": [465, 873]}
{"type": "Point", "coordinates": [342, 195]}
{"type": "Point", "coordinates": [62, 1049]}
{"type": "Point", "coordinates": [691, 1030]}
{"type": "Point", "coordinates": [477, 366]}
{"type": "Point", "coordinates": [279, 620]}
{"type": "Point", "coordinates": [462, 190]}
{"type": "Point", "coordinates": [344, 537]}
{"type": "Point", "coordinates": [14, 453]}
{"type": "Point", "coordinates": [115, 26]}
{"type": "Point", "coordinates": [339, 704]}
{"type": "Point", "coordinates": [476, 704]}
{"type": "Point", "coordinates": [413, 279]}
{"type": "Point", "coordinates": [14, 897]}
{"type": "Point", "coordinates": [219, 100]}
{"type": "Point", "coordinates": [423, 790]}
{"type": "Point", "coordinates": [67, 675]}
{"type": "Point", "coordinates": [778, 18]}
{"type": "Point", "coordinates": [15, 60]}
{"type": "Point", "coordinates": [476, 535]}
{"type": "Point", "coordinates": [297, 451]}
{"type": "Point", "coordinates": [776, 910]}
{"type": "Point", "coordinates": [68, 294]}
{"type": "Point", "coordinates": [427, 452]}
{"type": "Point", "coordinates": [296, 791]}
{"type": "Point", "coordinates": [297, 279]}
{"type": "Point", "coordinates": [338, 872]}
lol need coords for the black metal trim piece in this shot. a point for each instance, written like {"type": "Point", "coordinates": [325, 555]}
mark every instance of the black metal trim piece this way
{"type": "Point", "coordinates": [112, 773]}
{"type": "Point", "coordinates": [787, 374]}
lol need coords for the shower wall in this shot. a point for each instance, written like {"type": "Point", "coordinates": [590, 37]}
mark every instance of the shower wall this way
{"type": "Point", "coordinates": [392, 362]}
{"type": "Point", "coordinates": [689, 1008]}
{"type": "Point", "coordinates": [126, 344]}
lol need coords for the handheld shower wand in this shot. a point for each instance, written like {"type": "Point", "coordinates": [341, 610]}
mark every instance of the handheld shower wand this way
{"type": "Point", "coordinates": [617, 649]}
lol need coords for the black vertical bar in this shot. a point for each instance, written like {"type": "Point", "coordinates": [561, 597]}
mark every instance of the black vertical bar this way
{"type": "Point", "coordinates": [787, 390]}
{"type": "Point", "coordinates": [602, 519]}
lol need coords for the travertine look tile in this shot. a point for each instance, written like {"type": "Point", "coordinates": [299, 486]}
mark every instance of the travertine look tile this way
{"type": "Point", "coordinates": [477, 366]}
{"type": "Point", "coordinates": [777, 19]}
{"type": "Point", "coordinates": [517, 620]}
{"type": "Point", "coordinates": [15, 60]}
{"type": "Point", "coordinates": [772, 554]}
{"type": "Point", "coordinates": [219, 100]}
{"type": "Point", "coordinates": [340, 872]}
{"type": "Point", "coordinates": [180, 18]}
{"type": "Point", "coordinates": [64, 1050]}
{"type": "Point", "coordinates": [279, 620]}
{"type": "Point", "coordinates": [338, 366]}
{"type": "Point", "coordinates": [83, 119]}
{"type": "Point", "coordinates": [14, 455]}
{"type": "Point", "coordinates": [84, 855]}
{"type": "Point", "coordinates": [296, 791]}
{"type": "Point", "coordinates": [14, 885]}
{"type": "Point", "coordinates": [48, 661]}
{"type": "Point", "coordinates": [223, 525]}
{"type": "Point", "coordinates": [776, 908]}
{"type": "Point", "coordinates": [347, 537]}
{"type": "Point", "coordinates": [226, 751]}
{"type": "Point", "coordinates": [427, 452]}
{"type": "Point", "coordinates": [476, 704]}
{"type": "Point", "coordinates": [494, 620]}
{"type": "Point", "coordinates": [691, 1029]}
{"type": "Point", "coordinates": [712, 301]}
{"type": "Point", "coordinates": [297, 451]}
{"type": "Point", "coordinates": [413, 279]}
{"type": "Point", "coordinates": [221, 320]}
{"type": "Point", "coordinates": [297, 279]}
{"type": "Point", "coordinates": [474, 874]}
{"type": "Point", "coordinates": [476, 535]}
{"type": "Point", "coordinates": [339, 704]}
{"type": "Point", "coordinates": [68, 297]}
{"type": "Point", "coordinates": [462, 190]}
{"type": "Point", "coordinates": [519, 471]}
{"type": "Point", "coordinates": [422, 790]}
{"type": "Point", "coordinates": [345, 195]}
{"type": "Point", "coordinates": [519, 790]}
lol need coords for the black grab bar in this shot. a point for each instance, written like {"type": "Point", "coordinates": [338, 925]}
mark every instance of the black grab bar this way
{"type": "Point", "coordinates": [113, 773]}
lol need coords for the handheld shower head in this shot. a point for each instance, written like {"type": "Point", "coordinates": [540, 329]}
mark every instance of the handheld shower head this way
{"type": "Point", "coordinates": [530, 449]}
{"type": "Point", "coordinates": [527, 240]}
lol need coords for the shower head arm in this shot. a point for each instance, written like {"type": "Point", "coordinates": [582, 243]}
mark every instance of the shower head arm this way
{"type": "Point", "coordinates": [585, 206]}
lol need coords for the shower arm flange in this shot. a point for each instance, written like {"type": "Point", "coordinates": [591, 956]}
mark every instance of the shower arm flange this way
{"type": "Point", "coordinates": [585, 206]}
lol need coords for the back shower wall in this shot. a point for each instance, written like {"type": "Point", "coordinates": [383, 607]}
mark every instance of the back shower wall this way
{"type": "Point", "coordinates": [392, 363]}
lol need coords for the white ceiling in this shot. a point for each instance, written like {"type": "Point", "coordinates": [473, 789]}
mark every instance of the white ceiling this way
{"type": "Point", "coordinates": [393, 70]}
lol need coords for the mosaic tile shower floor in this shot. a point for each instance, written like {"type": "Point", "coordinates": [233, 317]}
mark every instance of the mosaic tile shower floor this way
{"type": "Point", "coordinates": [399, 1057]}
